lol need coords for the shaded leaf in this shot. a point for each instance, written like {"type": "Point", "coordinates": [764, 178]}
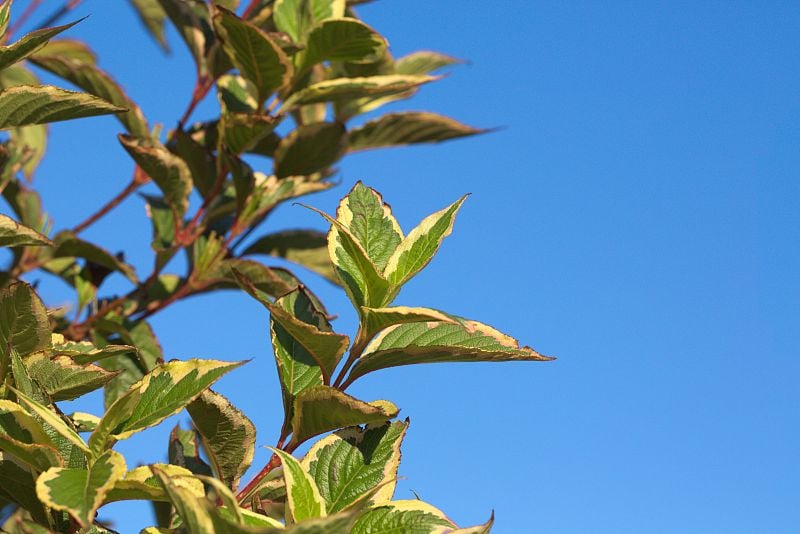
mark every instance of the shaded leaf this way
{"type": "Point", "coordinates": [407, 128]}
{"type": "Point", "coordinates": [153, 17]}
{"type": "Point", "coordinates": [342, 40]}
{"type": "Point", "coordinates": [18, 485]}
{"type": "Point", "coordinates": [243, 132]}
{"type": "Point", "coordinates": [167, 170]}
{"type": "Point", "coordinates": [24, 326]}
{"type": "Point", "coordinates": [80, 492]}
{"type": "Point", "coordinates": [423, 62]}
{"type": "Point", "coordinates": [51, 419]}
{"type": "Point", "coordinates": [253, 53]}
{"type": "Point", "coordinates": [228, 435]}
{"type": "Point", "coordinates": [352, 461]}
{"type": "Point", "coordinates": [351, 88]}
{"type": "Point", "coordinates": [24, 437]}
{"type": "Point", "coordinates": [434, 342]}
{"type": "Point", "coordinates": [309, 149]}
{"type": "Point", "coordinates": [201, 163]}
{"type": "Point", "coordinates": [184, 451]}
{"type": "Point", "coordinates": [303, 497]}
{"type": "Point", "coordinates": [70, 246]}
{"type": "Point", "coordinates": [25, 104]}
{"type": "Point", "coordinates": [297, 17]}
{"type": "Point", "coordinates": [308, 248]}
{"type": "Point", "coordinates": [321, 409]}
{"type": "Point", "coordinates": [14, 234]}
{"type": "Point", "coordinates": [69, 48]}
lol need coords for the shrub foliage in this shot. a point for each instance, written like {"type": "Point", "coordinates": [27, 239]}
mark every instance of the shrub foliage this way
{"type": "Point", "coordinates": [292, 78]}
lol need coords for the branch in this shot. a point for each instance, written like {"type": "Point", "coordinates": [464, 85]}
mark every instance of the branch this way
{"type": "Point", "coordinates": [111, 204]}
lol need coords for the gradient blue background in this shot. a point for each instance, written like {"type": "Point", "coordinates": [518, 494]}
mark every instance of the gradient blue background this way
{"type": "Point", "coordinates": [636, 216]}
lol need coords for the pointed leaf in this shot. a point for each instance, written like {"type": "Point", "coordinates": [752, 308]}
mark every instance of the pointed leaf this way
{"type": "Point", "coordinates": [310, 148]}
{"type": "Point", "coordinates": [403, 516]}
{"type": "Point", "coordinates": [63, 379]}
{"type": "Point", "coordinates": [376, 319]}
{"type": "Point", "coordinates": [69, 48]}
{"type": "Point", "coordinates": [142, 484]}
{"type": "Point", "coordinates": [434, 342]}
{"type": "Point", "coordinates": [93, 80]}
{"type": "Point", "coordinates": [167, 170]}
{"type": "Point", "coordinates": [24, 325]}
{"type": "Point", "coordinates": [69, 246]}
{"type": "Point", "coordinates": [184, 451]}
{"type": "Point", "coordinates": [52, 419]}
{"type": "Point", "coordinates": [199, 159]}
{"type": "Point", "coordinates": [80, 492]}
{"type": "Point", "coordinates": [351, 88]}
{"type": "Point", "coordinates": [407, 128]}
{"type": "Point", "coordinates": [153, 17]}
{"type": "Point", "coordinates": [362, 281]}
{"type": "Point", "coordinates": [342, 40]}
{"type": "Point", "coordinates": [302, 494]}
{"type": "Point", "coordinates": [14, 234]}
{"type": "Point", "coordinates": [479, 529]}
{"type": "Point", "coordinates": [321, 409]}
{"type": "Point", "coordinates": [161, 393]}
{"type": "Point", "coordinates": [243, 132]}
{"type": "Point", "coordinates": [5, 15]}
{"type": "Point", "coordinates": [418, 247]}
{"type": "Point", "coordinates": [84, 422]}
{"type": "Point", "coordinates": [371, 222]}
{"type": "Point", "coordinates": [308, 248]}
{"type": "Point", "coordinates": [253, 53]}
{"type": "Point", "coordinates": [423, 62]}
{"type": "Point", "coordinates": [29, 44]}
{"type": "Point", "coordinates": [297, 17]}
{"type": "Point", "coordinates": [24, 437]}
{"type": "Point", "coordinates": [195, 511]}
{"type": "Point", "coordinates": [18, 485]}
{"type": "Point", "coordinates": [352, 461]}
{"type": "Point", "coordinates": [25, 104]}
{"type": "Point", "coordinates": [228, 435]}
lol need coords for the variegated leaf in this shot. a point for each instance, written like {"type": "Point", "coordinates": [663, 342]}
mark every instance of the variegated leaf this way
{"type": "Point", "coordinates": [303, 498]}
{"type": "Point", "coordinates": [14, 234]}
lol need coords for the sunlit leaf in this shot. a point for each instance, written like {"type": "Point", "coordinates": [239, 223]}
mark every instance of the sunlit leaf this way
{"type": "Point", "coordinates": [297, 17]}
{"type": "Point", "coordinates": [24, 326]}
{"type": "Point", "coordinates": [24, 437]}
{"type": "Point", "coordinates": [423, 62]}
{"type": "Point", "coordinates": [376, 319]}
{"type": "Point", "coordinates": [14, 234]}
{"type": "Point", "coordinates": [63, 379]}
{"type": "Point", "coordinates": [25, 104]}
{"type": "Point", "coordinates": [142, 484]}
{"type": "Point", "coordinates": [407, 128]}
{"type": "Point", "coordinates": [302, 495]}
{"type": "Point", "coordinates": [29, 44]}
{"type": "Point", "coordinates": [352, 88]}
{"type": "Point", "coordinates": [403, 516]}
{"type": "Point", "coordinates": [80, 492]}
{"type": "Point", "coordinates": [342, 40]}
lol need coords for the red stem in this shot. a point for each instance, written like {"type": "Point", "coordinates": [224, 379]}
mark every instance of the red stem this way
{"type": "Point", "coordinates": [250, 8]}
{"type": "Point", "coordinates": [110, 205]}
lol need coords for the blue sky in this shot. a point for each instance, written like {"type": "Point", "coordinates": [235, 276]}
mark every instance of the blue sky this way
{"type": "Point", "coordinates": [636, 215]}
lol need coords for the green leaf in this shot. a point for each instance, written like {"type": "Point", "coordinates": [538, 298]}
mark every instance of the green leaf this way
{"type": "Point", "coordinates": [342, 40]}
{"type": "Point", "coordinates": [69, 48]}
{"type": "Point", "coordinates": [84, 422]}
{"type": "Point", "coordinates": [407, 128]}
{"type": "Point", "coordinates": [310, 148]}
{"type": "Point", "coordinates": [419, 246]}
{"type": "Point", "coordinates": [236, 94]}
{"type": "Point", "coordinates": [29, 44]}
{"type": "Point", "coordinates": [434, 342]}
{"type": "Point", "coordinates": [153, 17]}
{"type": "Point", "coordinates": [163, 222]}
{"type": "Point", "coordinates": [80, 492]}
{"type": "Point", "coordinates": [195, 511]}
{"type": "Point", "coordinates": [32, 141]}
{"type": "Point", "coordinates": [40, 104]}
{"type": "Point", "coordinates": [184, 451]}
{"type": "Point", "coordinates": [14, 234]}
{"type": "Point", "coordinates": [243, 132]}
{"type": "Point", "coordinates": [24, 437]}
{"type": "Point", "coordinates": [321, 409]}
{"type": "Point", "coordinates": [91, 79]}
{"type": "Point", "coordinates": [17, 485]}
{"type": "Point", "coordinates": [5, 14]}
{"type": "Point", "coordinates": [228, 435]}
{"type": "Point", "coordinates": [308, 248]}
{"type": "Point", "coordinates": [362, 281]}
{"type": "Point", "coordinates": [24, 326]}
{"type": "Point", "coordinates": [371, 222]}
{"type": "Point", "coordinates": [351, 88]}
{"type": "Point", "coordinates": [410, 516]}
{"type": "Point", "coordinates": [168, 171]}
{"type": "Point", "coordinates": [376, 319]}
{"type": "Point", "coordinates": [161, 393]}
{"type": "Point", "coordinates": [253, 53]}
{"type": "Point", "coordinates": [272, 281]}
{"type": "Point", "coordinates": [83, 352]}
{"type": "Point", "coordinates": [300, 330]}
{"type": "Point", "coordinates": [302, 495]}
{"type": "Point", "coordinates": [70, 246]}
{"type": "Point", "coordinates": [52, 419]}
{"type": "Point", "coordinates": [352, 461]}
{"type": "Point", "coordinates": [142, 484]}
{"type": "Point", "coordinates": [63, 379]}
{"type": "Point", "coordinates": [423, 62]}
{"type": "Point", "coordinates": [199, 159]}
{"type": "Point", "coordinates": [297, 17]}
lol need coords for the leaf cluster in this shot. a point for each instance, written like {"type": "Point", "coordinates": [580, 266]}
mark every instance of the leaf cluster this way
{"type": "Point", "coordinates": [291, 78]}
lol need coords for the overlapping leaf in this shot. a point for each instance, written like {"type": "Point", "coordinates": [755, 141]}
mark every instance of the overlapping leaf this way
{"type": "Point", "coordinates": [353, 88]}
{"type": "Point", "coordinates": [142, 484]}
{"type": "Point", "coordinates": [321, 409]}
{"type": "Point", "coordinates": [308, 248]}
{"type": "Point", "coordinates": [343, 39]}
{"type": "Point", "coordinates": [14, 234]}
{"type": "Point", "coordinates": [309, 149]}
{"type": "Point", "coordinates": [353, 461]}
{"type": "Point", "coordinates": [40, 104]}
{"type": "Point", "coordinates": [24, 326]}
{"type": "Point", "coordinates": [228, 435]}
{"type": "Point", "coordinates": [302, 496]}
{"type": "Point", "coordinates": [80, 492]}
{"type": "Point", "coordinates": [68, 246]}
{"type": "Point", "coordinates": [403, 516]}
{"type": "Point", "coordinates": [153, 17]}
{"type": "Point", "coordinates": [29, 44]}
{"type": "Point", "coordinates": [24, 437]}
{"type": "Point", "coordinates": [297, 17]}
{"type": "Point", "coordinates": [63, 379]}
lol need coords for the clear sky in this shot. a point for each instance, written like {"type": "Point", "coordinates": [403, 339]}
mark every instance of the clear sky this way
{"type": "Point", "coordinates": [636, 216]}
